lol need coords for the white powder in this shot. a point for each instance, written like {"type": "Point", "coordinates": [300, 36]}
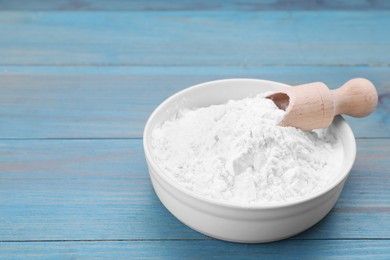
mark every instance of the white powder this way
{"type": "Point", "coordinates": [237, 153]}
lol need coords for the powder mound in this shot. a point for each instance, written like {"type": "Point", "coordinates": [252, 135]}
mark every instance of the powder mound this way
{"type": "Point", "coordinates": [237, 153]}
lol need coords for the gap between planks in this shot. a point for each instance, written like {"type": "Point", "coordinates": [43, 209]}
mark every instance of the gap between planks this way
{"type": "Point", "coordinates": [174, 239]}
{"type": "Point", "coordinates": [126, 138]}
{"type": "Point", "coordinates": [196, 65]}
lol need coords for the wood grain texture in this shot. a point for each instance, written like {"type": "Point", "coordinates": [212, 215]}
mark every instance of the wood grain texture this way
{"type": "Point", "coordinates": [115, 102]}
{"type": "Point", "coordinates": [100, 189]}
{"type": "Point", "coordinates": [194, 249]}
{"type": "Point", "coordinates": [195, 38]}
{"type": "Point", "coordinates": [191, 5]}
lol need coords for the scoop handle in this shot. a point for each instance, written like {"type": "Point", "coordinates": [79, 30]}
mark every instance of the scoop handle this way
{"type": "Point", "coordinates": [357, 98]}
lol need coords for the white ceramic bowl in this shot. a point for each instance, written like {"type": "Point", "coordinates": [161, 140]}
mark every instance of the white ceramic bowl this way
{"type": "Point", "coordinates": [255, 224]}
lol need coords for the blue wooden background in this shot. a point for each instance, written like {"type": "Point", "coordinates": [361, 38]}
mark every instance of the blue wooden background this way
{"type": "Point", "coordinates": [79, 78]}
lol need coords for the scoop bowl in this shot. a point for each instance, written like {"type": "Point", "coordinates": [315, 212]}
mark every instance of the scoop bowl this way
{"type": "Point", "coordinates": [246, 224]}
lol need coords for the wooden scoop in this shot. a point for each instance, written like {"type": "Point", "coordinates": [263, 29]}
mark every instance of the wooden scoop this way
{"type": "Point", "coordinates": [311, 106]}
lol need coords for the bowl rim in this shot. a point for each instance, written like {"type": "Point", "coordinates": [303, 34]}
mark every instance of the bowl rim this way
{"type": "Point", "coordinates": [269, 205]}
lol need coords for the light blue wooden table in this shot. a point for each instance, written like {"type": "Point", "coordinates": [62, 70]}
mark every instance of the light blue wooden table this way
{"type": "Point", "coordinates": [79, 78]}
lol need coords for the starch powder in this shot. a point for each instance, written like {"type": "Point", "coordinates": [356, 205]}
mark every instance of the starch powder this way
{"type": "Point", "coordinates": [237, 153]}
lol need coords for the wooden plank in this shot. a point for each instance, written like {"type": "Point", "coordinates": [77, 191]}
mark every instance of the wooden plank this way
{"type": "Point", "coordinates": [191, 5]}
{"type": "Point", "coordinates": [115, 102]}
{"type": "Point", "coordinates": [193, 249]}
{"type": "Point", "coordinates": [100, 189]}
{"type": "Point", "coordinates": [195, 38]}
{"type": "Point", "coordinates": [80, 190]}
